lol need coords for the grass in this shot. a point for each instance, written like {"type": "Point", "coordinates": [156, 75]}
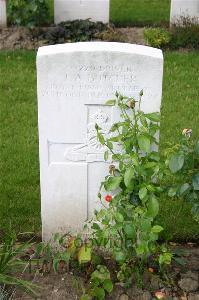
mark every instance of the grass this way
{"type": "Point", "coordinates": [20, 199]}
{"type": "Point", "coordinates": [140, 12]}
{"type": "Point", "coordinates": [136, 12]}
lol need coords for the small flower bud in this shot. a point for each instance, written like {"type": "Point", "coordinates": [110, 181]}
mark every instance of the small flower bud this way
{"type": "Point", "coordinates": [187, 132]}
{"type": "Point", "coordinates": [141, 93]}
{"type": "Point", "coordinates": [112, 169]}
{"type": "Point", "coordinates": [131, 103]}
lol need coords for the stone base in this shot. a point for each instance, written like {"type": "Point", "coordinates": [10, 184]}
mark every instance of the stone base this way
{"type": "Point", "coordinates": [68, 10]}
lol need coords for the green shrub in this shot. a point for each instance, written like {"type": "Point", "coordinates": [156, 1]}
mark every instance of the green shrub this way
{"type": "Point", "coordinates": [183, 162]}
{"type": "Point", "coordinates": [28, 12]}
{"type": "Point", "coordinates": [74, 31]}
{"type": "Point", "coordinates": [183, 34]}
{"type": "Point", "coordinates": [11, 264]}
{"type": "Point", "coordinates": [157, 37]}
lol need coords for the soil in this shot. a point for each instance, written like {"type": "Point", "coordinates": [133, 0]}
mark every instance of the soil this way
{"type": "Point", "coordinates": [67, 286]}
{"type": "Point", "coordinates": [13, 38]}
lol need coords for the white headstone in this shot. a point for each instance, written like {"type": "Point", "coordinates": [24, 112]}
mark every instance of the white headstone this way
{"type": "Point", "coordinates": [74, 82]}
{"type": "Point", "coordinates": [68, 10]}
{"type": "Point", "coordinates": [184, 8]}
{"type": "Point", "coordinates": [3, 16]}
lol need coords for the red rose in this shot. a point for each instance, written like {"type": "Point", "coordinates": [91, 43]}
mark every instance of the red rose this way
{"type": "Point", "coordinates": [108, 198]}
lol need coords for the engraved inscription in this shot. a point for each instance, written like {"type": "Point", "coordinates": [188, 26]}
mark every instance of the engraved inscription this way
{"type": "Point", "coordinates": [90, 81]}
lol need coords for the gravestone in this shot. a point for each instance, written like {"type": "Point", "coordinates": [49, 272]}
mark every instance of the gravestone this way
{"type": "Point", "coordinates": [68, 10]}
{"type": "Point", "coordinates": [3, 16]}
{"type": "Point", "coordinates": [74, 81]}
{"type": "Point", "coordinates": [184, 8]}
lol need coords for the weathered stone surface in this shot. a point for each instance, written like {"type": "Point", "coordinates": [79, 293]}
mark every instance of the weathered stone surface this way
{"type": "Point", "coordinates": [123, 297]}
{"type": "Point", "coordinates": [188, 284]}
{"type": "Point", "coordinates": [155, 282]}
{"type": "Point", "coordinates": [189, 274]}
{"type": "Point", "coordinates": [193, 296]}
{"type": "Point", "coordinates": [144, 296]}
{"type": "Point", "coordinates": [68, 10]}
{"type": "Point", "coordinates": [184, 8]}
{"type": "Point", "coordinates": [74, 82]}
{"type": "Point", "coordinates": [3, 15]}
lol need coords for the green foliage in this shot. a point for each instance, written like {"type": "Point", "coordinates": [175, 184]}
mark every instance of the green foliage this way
{"type": "Point", "coordinates": [127, 227]}
{"type": "Point", "coordinates": [28, 12]}
{"type": "Point", "coordinates": [184, 34]}
{"type": "Point", "coordinates": [157, 37]}
{"type": "Point", "coordinates": [183, 162]}
{"type": "Point", "coordinates": [11, 262]}
{"type": "Point", "coordinates": [74, 31]}
{"type": "Point", "coordinates": [100, 283]}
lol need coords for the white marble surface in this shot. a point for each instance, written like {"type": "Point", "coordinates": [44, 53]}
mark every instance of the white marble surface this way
{"type": "Point", "coordinates": [185, 8]}
{"type": "Point", "coordinates": [3, 15]}
{"type": "Point", "coordinates": [74, 81]}
{"type": "Point", "coordinates": [68, 10]}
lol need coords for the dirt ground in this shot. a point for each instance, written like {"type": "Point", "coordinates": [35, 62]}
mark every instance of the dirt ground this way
{"type": "Point", "coordinates": [13, 38]}
{"type": "Point", "coordinates": [67, 286]}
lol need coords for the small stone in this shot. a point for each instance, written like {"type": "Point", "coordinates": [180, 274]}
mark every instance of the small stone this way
{"type": "Point", "coordinates": [145, 296]}
{"type": "Point", "coordinates": [134, 292]}
{"type": "Point", "coordinates": [155, 283]}
{"type": "Point", "coordinates": [189, 274]}
{"type": "Point", "coordinates": [193, 296]}
{"type": "Point", "coordinates": [123, 297]}
{"type": "Point", "coordinates": [188, 284]}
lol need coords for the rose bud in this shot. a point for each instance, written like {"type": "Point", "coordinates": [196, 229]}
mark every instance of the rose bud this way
{"type": "Point", "coordinates": [108, 198]}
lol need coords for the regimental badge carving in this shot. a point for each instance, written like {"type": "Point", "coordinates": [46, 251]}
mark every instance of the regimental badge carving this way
{"type": "Point", "coordinates": [92, 150]}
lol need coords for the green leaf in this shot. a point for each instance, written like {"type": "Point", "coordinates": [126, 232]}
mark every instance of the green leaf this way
{"type": "Point", "coordinates": [108, 285]}
{"type": "Point", "coordinates": [95, 226]}
{"type": "Point", "coordinates": [141, 249]}
{"type": "Point", "coordinates": [119, 217]}
{"type": "Point", "coordinates": [112, 183]}
{"type": "Point", "coordinates": [111, 102]}
{"type": "Point", "coordinates": [99, 293]}
{"type": "Point", "coordinates": [142, 193]}
{"type": "Point", "coordinates": [55, 264]}
{"type": "Point", "coordinates": [129, 230]}
{"type": "Point", "coordinates": [195, 181]}
{"type": "Point", "coordinates": [172, 191]}
{"type": "Point", "coordinates": [84, 254]}
{"type": "Point", "coordinates": [106, 153]}
{"type": "Point", "coordinates": [153, 207]}
{"type": "Point", "coordinates": [165, 258]}
{"type": "Point", "coordinates": [144, 142]}
{"type": "Point", "coordinates": [100, 138]}
{"type": "Point", "coordinates": [155, 117]}
{"type": "Point", "coordinates": [157, 229]}
{"type": "Point", "coordinates": [119, 256]}
{"type": "Point", "coordinates": [184, 189]}
{"type": "Point", "coordinates": [128, 176]}
{"type": "Point", "coordinates": [176, 162]}
{"type": "Point", "coordinates": [110, 145]}
{"type": "Point", "coordinates": [197, 148]}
